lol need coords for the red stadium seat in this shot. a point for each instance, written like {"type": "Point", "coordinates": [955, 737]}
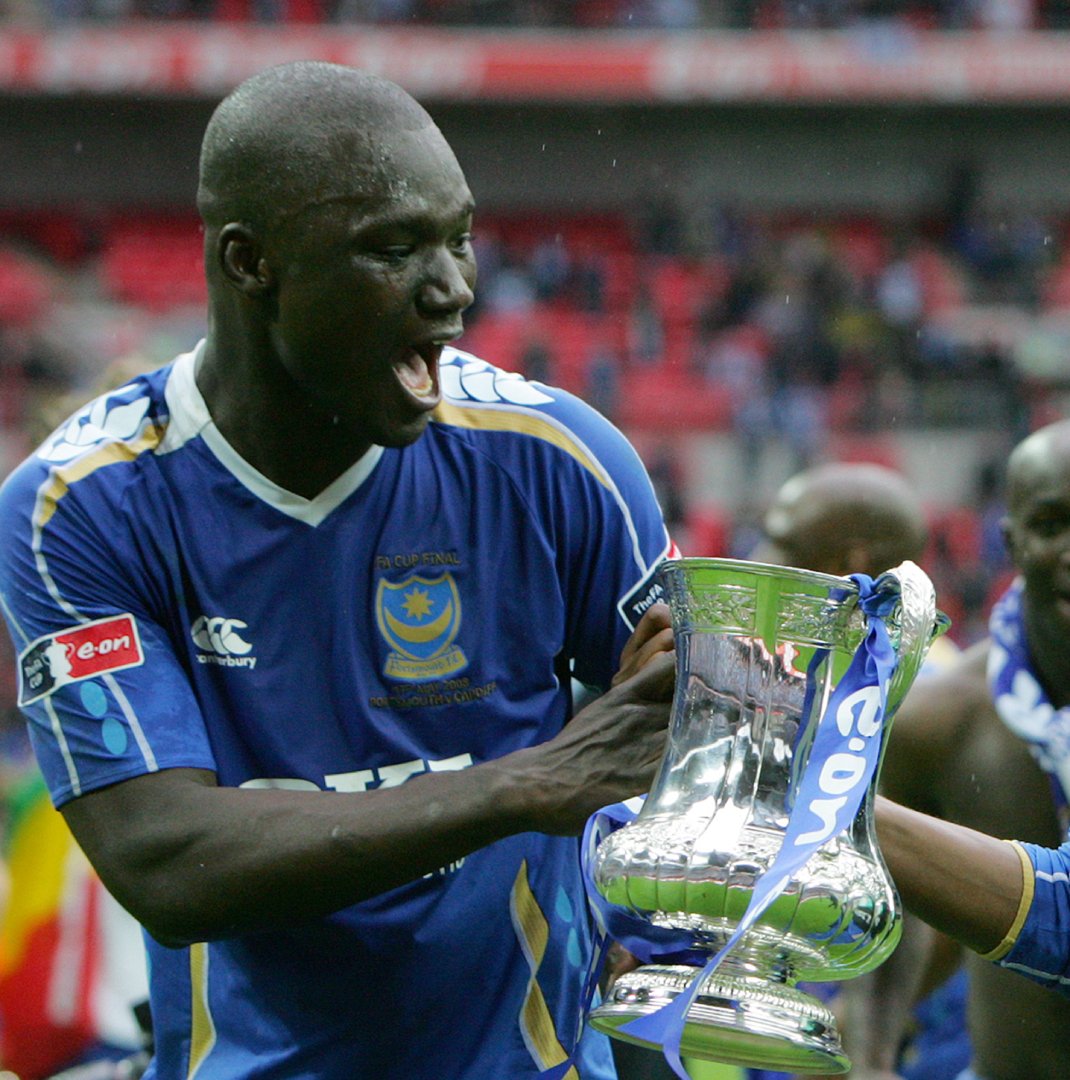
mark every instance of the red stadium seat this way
{"type": "Point", "coordinates": [498, 338]}
{"type": "Point", "coordinates": [709, 531]}
{"type": "Point", "coordinates": [958, 535]}
{"type": "Point", "coordinates": [672, 400]}
{"type": "Point", "coordinates": [862, 245]}
{"type": "Point", "coordinates": [25, 289]}
{"type": "Point", "coordinates": [156, 263]}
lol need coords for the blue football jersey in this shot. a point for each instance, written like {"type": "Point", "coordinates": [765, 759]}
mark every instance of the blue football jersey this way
{"type": "Point", "coordinates": [172, 607]}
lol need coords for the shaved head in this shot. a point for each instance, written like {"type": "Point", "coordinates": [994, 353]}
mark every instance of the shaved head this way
{"type": "Point", "coordinates": [845, 518]}
{"type": "Point", "coordinates": [1039, 461]}
{"type": "Point", "coordinates": [297, 135]}
{"type": "Point", "coordinates": [337, 243]}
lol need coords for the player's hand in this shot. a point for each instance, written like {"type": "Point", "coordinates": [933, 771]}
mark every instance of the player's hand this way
{"type": "Point", "coordinates": [651, 636]}
{"type": "Point", "coordinates": [618, 962]}
{"type": "Point", "coordinates": [608, 752]}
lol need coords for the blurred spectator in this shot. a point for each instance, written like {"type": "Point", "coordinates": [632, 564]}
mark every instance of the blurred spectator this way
{"type": "Point", "coordinates": [551, 267]}
{"type": "Point", "coordinates": [900, 297]}
{"type": "Point", "coordinates": [646, 334]}
{"type": "Point", "coordinates": [537, 362]}
{"type": "Point", "coordinates": [736, 360]}
{"type": "Point", "coordinates": [511, 290]}
{"type": "Point", "coordinates": [991, 509]}
{"type": "Point", "coordinates": [661, 14]}
{"type": "Point", "coordinates": [666, 474]}
{"type": "Point", "coordinates": [659, 227]}
{"type": "Point", "coordinates": [602, 388]}
{"type": "Point", "coordinates": [799, 409]}
{"type": "Point", "coordinates": [589, 283]}
{"type": "Point", "coordinates": [373, 11]}
{"type": "Point", "coordinates": [1005, 15]}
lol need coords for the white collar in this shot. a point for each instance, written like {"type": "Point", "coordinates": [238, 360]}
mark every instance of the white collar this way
{"type": "Point", "coordinates": [189, 417]}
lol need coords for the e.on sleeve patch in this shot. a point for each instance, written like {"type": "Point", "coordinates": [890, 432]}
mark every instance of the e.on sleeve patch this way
{"type": "Point", "coordinates": [81, 652]}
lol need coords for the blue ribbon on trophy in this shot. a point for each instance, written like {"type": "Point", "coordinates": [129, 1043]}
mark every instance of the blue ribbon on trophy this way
{"type": "Point", "coordinates": [822, 803]}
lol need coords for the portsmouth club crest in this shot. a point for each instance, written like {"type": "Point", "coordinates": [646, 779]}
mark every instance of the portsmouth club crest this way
{"type": "Point", "coordinates": [420, 617]}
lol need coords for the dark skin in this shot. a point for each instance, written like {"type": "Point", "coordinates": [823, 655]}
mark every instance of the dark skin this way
{"type": "Point", "coordinates": [343, 309]}
{"type": "Point", "coordinates": [843, 518]}
{"type": "Point", "coordinates": [327, 316]}
{"type": "Point", "coordinates": [951, 756]}
{"type": "Point", "coordinates": [195, 862]}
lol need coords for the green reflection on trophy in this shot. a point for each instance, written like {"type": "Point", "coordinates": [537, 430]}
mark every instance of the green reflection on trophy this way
{"type": "Point", "coordinates": [760, 650]}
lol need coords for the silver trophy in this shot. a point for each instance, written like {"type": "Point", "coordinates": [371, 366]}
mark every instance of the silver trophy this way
{"type": "Point", "coordinates": [759, 651]}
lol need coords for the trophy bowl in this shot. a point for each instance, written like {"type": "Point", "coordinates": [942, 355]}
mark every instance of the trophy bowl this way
{"type": "Point", "coordinates": [759, 651]}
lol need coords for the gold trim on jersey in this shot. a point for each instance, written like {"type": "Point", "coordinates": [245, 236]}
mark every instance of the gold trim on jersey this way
{"type": "Point", "coordinates": [202, 1028]}
{"type": "Point", "coordinates": [111, 453]}
{"type": "Point", "coordinates": [1025, 902]}
{"type": "Point", "coordinates": [524, 423]}
{"type": "Point", "coordinates": [533, 933]}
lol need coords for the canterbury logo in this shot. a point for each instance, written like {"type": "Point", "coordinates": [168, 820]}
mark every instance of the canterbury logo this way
{"type": "Point", "coordinates": [465, 377]}
{"type": "Point", "coordinates": [221, 642]}
{"type": "Point", "coordinates": [103, 420]}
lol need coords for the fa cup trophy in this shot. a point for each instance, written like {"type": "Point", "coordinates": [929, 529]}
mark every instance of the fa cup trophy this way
{"type": "Point", "coordinates": [758, 831]}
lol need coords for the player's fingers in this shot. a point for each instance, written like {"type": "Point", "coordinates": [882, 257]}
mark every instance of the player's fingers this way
{"type": "Point", "coordinates": [652, 680]}
{"type": "Point", "coordinates": [635, 660]}
{"type": "Point", "coordinates": [655, 619]}
{"type": "Point", "coordinates": [618, 962]}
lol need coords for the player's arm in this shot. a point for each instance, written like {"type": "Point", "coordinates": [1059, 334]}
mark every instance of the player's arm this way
{"type": "Point", "coordinates": [1009, 902]}
{"type": "Point", "coordinates": [193, 861]}
{"type": "Point", "coordinates": [958, 880]}
{"type": "Point", "coordinates": [962, 882]}
{"type": "Point", "coordinates": [877, 1007]}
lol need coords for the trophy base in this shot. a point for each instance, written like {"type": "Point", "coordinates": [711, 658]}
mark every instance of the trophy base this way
{"type": "Point", "coordinates": [737, 1019]}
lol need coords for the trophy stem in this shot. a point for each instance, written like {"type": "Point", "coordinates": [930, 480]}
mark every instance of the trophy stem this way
{"type": "Point", "coordinates": [741, 1016]}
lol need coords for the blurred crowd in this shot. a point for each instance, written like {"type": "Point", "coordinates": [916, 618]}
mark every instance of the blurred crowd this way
{"type": "Point", "coordinates": [995, 15]}
{"type": "Point", "coordinates": [795, 339]}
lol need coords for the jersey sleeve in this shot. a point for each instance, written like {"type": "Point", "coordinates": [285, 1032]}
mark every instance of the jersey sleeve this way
{"type": "Point", "coordinates": [613, 538]}
{"type": "Point", "coordinates": [1040, 947]}
{"type": "Point", "coordinates": [105, 696]}
{"type": "Point", "coordinates": [590, 494]}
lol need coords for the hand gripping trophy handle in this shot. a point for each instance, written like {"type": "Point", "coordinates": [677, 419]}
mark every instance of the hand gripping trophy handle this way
{"type": "Point", "coordinates": [768, 742]}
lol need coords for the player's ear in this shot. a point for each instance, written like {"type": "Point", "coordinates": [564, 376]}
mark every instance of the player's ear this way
{"type": "Point", "coordinates": [241, 258]}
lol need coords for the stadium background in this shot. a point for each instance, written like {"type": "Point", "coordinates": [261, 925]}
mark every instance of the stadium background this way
{"type": "Point", "coordinates": [756, 235]}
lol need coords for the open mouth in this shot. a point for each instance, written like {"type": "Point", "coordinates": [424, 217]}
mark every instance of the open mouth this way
{"type": "Point", "coordinates": [417, 372]}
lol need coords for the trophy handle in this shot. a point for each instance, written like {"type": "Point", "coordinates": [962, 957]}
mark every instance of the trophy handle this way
{"type": "Point", "coordinates": [914, 625]}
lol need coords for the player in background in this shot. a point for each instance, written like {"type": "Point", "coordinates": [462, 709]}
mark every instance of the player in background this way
{"type": "Point", "coordinates": [983, 745]}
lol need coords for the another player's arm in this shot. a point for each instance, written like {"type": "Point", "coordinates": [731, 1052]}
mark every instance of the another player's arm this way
{"type": "Point", "coordinates": [959, 881]}
{"type": "Point", "coordinates": [877, 1007]}
{"type": "Point", "coordinates": [193, 861]}
{"type": "Point", "coordinates": [962, 882]}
